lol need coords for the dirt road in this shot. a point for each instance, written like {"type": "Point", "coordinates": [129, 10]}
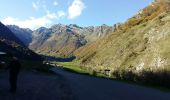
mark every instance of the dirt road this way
{"type": "Point", "coordinates": [91, 88]}
{"type": "Point", "coordinates": [34, 85]}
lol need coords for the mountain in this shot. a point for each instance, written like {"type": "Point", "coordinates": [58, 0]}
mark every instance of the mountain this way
{"type": "Point", "coordinates": [24, 34]}
{"type": "Point", "coordinates": [9, 43]}
{"type": "Point", "coordinates": [138, 46]}
{"type": "Point", "coordinates": [6, 34]}
{"type": "Point", "coordinates": [56, 41]}
{"type": "Point", "coordinates": [92, 33]}
{"type": "Point", "coordinates": [63, 40]}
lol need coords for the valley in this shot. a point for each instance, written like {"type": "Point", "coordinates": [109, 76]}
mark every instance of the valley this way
{"type": "Point", "coordinates": [127, 60]}
{"type": "Point", "coordinates": [136, 50]}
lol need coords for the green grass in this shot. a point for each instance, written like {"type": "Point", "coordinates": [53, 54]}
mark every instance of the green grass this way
{"type": "Point", "coordinates": [75, 68]}
{"type": "Point", "coordinates": [71, 66]}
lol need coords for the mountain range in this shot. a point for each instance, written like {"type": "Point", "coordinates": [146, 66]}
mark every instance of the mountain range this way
{"type": "Point", "coordinates": [60, 40]}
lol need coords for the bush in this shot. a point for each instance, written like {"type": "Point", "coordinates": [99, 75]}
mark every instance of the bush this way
{"type": "Point", "coordinates": [93, 73]}
{"type": "Point", "coordinates": [158, 78]}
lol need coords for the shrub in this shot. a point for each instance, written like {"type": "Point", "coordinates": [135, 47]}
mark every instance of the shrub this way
{"type": "Point", "coordinates": [93, 73]}
{"type": "Point", "coordinates": [158, 78]}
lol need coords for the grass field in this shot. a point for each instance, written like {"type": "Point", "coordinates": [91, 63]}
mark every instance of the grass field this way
{"type": "Point", "coordinates": [75, 68]}
{"type": "Point", "coordinates": [71, 66]}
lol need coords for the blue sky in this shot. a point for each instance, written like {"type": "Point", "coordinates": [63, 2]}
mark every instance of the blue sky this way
{"type": "Point", "coordinates": [36, 13]}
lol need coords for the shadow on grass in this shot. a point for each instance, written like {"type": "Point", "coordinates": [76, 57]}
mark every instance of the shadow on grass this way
{"type": "Point", "coordinates": [73, 71]}
{"type": "Point", "coordinates": [147, 80]}
{"type": "Point", "coordinates": [155, 79]}
{"type": "Point", "coordinates": [59, 59]}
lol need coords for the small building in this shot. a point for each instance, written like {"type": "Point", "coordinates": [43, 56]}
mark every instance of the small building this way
{"type": "Point", "coordinates": [107, 72]}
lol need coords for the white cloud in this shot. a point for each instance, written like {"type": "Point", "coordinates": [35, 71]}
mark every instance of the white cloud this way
{"type": "Point", "coordinates": [57, 15]}
{"type": "Point", "coordinates": [36, 22]}
{"type": "Point", "coordinates": [36, 5]}
{"type": "Point", "coordinates": [52, 15]}
{"type": "Point", "coordinates": [61, 13]}
{"type": "Point", "coordinates": [55, 3]}
{"type": "Point", "coordinates": [32, 22]}
{"type": "Point", "coordinates": [76, 9]}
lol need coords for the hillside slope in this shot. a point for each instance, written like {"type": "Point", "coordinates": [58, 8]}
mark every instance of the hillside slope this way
{"type": "Point", "coordinates": [25, 35]}
{"type": "Point", "coordinates": [139, 45]}
{"type": "Point", "coordinates": [6, 33]}
{"type": "Point", "coordinates": [9, 43]}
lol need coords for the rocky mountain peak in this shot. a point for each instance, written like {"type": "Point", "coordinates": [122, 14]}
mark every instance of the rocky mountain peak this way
{"type": "Point", "coordinates": [74, 25]}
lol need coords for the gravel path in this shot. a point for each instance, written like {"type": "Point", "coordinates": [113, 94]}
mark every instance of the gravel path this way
{"type": "Point", "coordinates": [91, 88]}
{"type": "Point", "coordinates": [35, 86]}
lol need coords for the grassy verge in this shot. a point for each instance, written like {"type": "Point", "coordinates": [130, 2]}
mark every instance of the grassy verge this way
{"type": "Point", "coordinates": [75, 68]}
{"type": "Point", "coordinates": [72, 67]}
{"type": "Point", "coordinates": [161, 88]}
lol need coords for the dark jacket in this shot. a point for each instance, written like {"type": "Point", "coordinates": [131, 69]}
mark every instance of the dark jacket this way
{"type": "Point", "coordinates": [14, 67]}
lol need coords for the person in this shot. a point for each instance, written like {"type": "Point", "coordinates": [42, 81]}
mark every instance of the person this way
{"type": "Point", "coordinates": [14, 68]}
